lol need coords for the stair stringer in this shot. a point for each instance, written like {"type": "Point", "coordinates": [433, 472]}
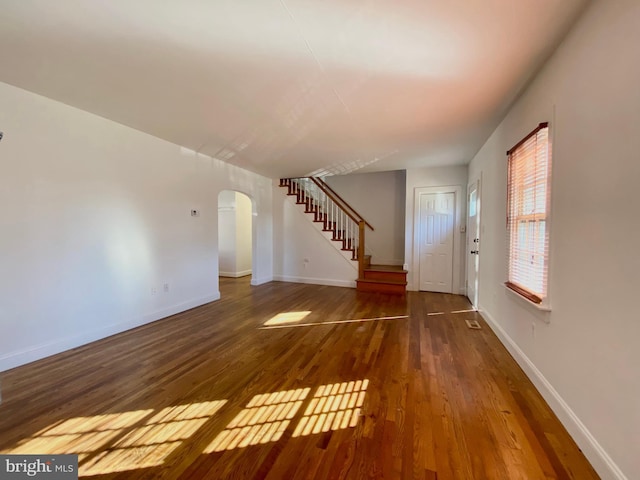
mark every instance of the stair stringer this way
{"type": "Point", "coordinates": [346, 276]}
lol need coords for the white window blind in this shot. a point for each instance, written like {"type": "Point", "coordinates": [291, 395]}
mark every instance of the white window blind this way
{"type": "Point", "coordinates": [528, 198]}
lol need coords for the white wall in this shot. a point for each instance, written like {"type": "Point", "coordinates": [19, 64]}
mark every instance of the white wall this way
{"type": "Point", "coordinates": [380, 199]}
{"type": "Point", "coordinates": [584, 355]}
{"type": "Point", "coordinates": [227, 233]}
{"type": "Point", "coordinates": [302, 253]}
{"type": "Point", "coordinates": [243, 234]}
{"type": "Point", "coordinates": [95, 219]}
{"type": "Point", "coordinates": [234, 234]}
{"type": "Point", "coordinates": [434, 177]}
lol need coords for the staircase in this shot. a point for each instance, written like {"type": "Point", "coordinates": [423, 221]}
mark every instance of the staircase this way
{"type": "Point", "coordinates": [383, 279]}
{"type": "Point", "coordinates": [346, 227]}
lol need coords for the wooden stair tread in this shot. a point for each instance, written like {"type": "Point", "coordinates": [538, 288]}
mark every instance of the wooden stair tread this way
{"type": "Point", "coordinates": [383, 279]}
{"type": "Point", "coordinates": [386, 281]}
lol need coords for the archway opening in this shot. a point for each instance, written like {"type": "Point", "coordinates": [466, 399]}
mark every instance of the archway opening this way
{"type": "Point", "coordinates": [235, 235]}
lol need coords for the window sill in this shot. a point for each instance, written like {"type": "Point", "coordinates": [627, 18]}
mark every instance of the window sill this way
{"type": "Point", "coordinates": [541, 307]}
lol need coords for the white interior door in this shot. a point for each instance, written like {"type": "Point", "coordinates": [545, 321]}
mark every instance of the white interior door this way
{"type": "Point", "coordinates": [437, 214]}
{"type": "Point", "coordinates": [473, 241]}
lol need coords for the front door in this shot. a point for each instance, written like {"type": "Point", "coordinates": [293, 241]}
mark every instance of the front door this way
{"type": "Point", "coordinates": [437, 213]}
{"type": "Point", "coordinates": [473, 241]}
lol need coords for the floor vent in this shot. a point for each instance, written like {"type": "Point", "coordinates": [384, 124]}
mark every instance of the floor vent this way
{"type": "Point", "coordinates": [473, 324]}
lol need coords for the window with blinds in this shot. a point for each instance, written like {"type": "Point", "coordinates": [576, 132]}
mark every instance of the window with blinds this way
{"type": "Point", "coordinates": [528, 195]}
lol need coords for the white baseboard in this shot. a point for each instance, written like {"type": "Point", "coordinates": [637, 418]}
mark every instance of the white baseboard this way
{"type": "Point", "coordinates": [600, 460]}
{"type": "Point", "coordinates": [316, 281]}
{"type": "Point", "coordinates": [259, 281]}
{"type": "Point", "coordinates": [37, 352]}
{"type": "Point", "coordinates": [243, 273]}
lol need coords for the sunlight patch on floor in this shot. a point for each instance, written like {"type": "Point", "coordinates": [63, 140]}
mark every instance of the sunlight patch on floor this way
{"type": "Point", "coordinates": [452, 312]}
{"type": "Point", "coordinates": [286, 317]}
{"type": "Point", "coordinates": [125, 440]}
{"type": "Point", "coordinates": [79, 434]}
{"type": "Point", "coordinates": [335, 322]}
{"type": "Point", "coordinates": [333, 407]}
{"type": "Point", "coordinates": [266, 417]}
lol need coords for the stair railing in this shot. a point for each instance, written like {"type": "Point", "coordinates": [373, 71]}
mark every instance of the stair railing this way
{"type": "Point", "coordinates": [334, 212]}
{"type": "Point", "coordinates": [330, 191]}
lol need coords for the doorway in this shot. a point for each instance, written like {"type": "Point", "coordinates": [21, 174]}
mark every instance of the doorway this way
{"type": "Point", "coordinates": [235, 234]}
{"type": "Point", "coordinates": [473, 241]}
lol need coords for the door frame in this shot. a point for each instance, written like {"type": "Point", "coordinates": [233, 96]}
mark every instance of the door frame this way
{"type": "Point", "coordinates": [456, 286]}
{"type": "Point", "coordinates": [478, 181]}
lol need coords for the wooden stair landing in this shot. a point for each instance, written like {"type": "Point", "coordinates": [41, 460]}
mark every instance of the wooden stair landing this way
{"type": "Point", "coordinates": [383, 279]}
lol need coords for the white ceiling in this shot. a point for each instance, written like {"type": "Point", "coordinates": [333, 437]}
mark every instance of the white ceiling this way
{"type": "Point", "coordinates": [289, 87]}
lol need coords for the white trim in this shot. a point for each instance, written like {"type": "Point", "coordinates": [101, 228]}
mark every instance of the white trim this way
{"type": "Point", "coordinates": [600, 460]}
{"type": "Point", "coordinates": [243, 273]}
{"type": "Point", "coordinates": [551, 141]}
{"type": "Point", "coordinates": [477, 180]}
{"type": "Point", "coordinates": [37, 352]}
{"type": "Point", "coordinates": [260, 281]}
{"type": "Point", "coordinates": [316, 281]}
{"type": "Point", "coordinates": [415, 274]}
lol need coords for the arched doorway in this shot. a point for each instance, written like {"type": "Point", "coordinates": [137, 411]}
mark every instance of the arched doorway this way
{"type": "Point", "coordinates": [235, 234]}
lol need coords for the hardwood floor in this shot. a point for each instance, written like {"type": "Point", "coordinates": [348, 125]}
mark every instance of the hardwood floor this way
{"type": "Point", "coordinates": [353, 385]}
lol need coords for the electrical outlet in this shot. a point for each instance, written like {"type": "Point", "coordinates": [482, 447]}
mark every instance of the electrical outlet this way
{"type": "Point", "coordinates": [154, 290]}
{"type": "Point", "coordinates": [166, 288]}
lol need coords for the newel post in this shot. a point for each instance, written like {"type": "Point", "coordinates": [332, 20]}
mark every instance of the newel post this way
{"type": "Point", "coordinates": [361, 249]}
